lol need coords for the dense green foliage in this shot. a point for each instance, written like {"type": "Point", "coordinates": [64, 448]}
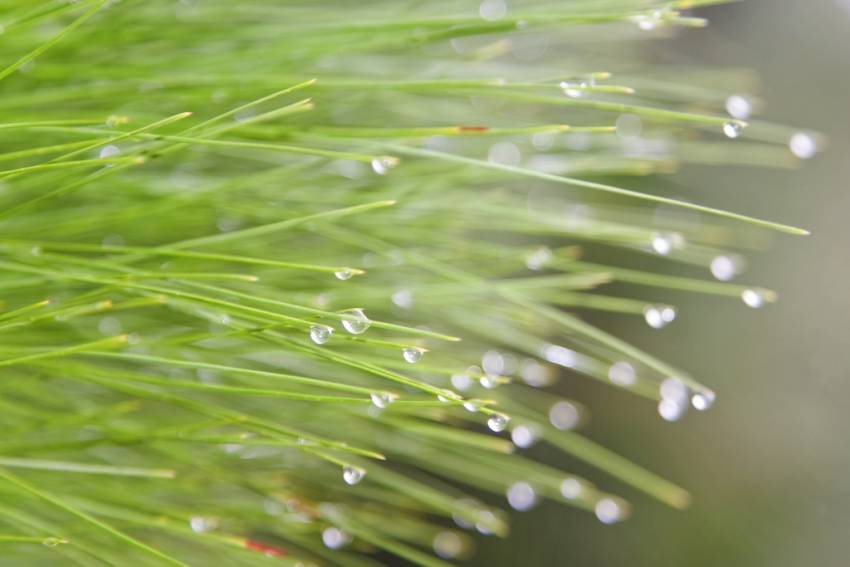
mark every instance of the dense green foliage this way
{"type": "Point", "coordinates": [276, 272]}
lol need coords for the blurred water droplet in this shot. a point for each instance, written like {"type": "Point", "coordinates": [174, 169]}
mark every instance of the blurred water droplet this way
{"type": "Point", "coordinates": [352, 475]}
{"type": "Point", "coordinates": [382, 399]}
{"type": "Point", "coordinates": [732, 129]}
{"type": "Point", "coordinates": [739, 107]}
{"type": "Point", "coordinates": [471, 406]}
{"type": "Point", "coordinates": [563, 415]}
{"type": "Point", "coordinates": [490, 381]}
{"type": "Point", "coordinates": [537, 259]}
{"type": "Point", "coordinates": [724, 268]}
{"type": "Point", "coordinates": [498, 422]}
{"type": "Point", "coordinates": [412, 354]}
{"type": "Point", "coordinates": [108, 151]}
{"type": "Point", "coordinates": [381, 165]}
{"type": "Point", "coordinates": [658, 316]}
{"type": "Point", "coordinates": [622, 373]}
{"type": "Point", "coordinates": [803, 145]}
{"type": "Point", "coordinates": [334, 538]}
{"type": "Point", "coordinates": [448, 544]}
{"type": "Point", "coordinates": [200, 524]}
{"type": "Point", "coordinates": [571, 489]}
{"type": "Point", "coordinates": [662, 242]}
{"type": "Point", "coordinates": [344, 274]}
{"type": "Point", "coordinates": [492, 10]}
{"type": "Point", "coordinates": [461, 381]}
{"type": "Point", "coordinates": [671, 410]}
{"type": "Point", "coordinates": [673, 388]}
{"type": "Point", "coordinates": [523, 436]}
{"type": "Point", "coordinates": [521, 496]}
{"type": "Point", "coordinates": [320, 334]}
{"type": "Point", "coordinates": [355, 321]}
{"type": "Point", "coordinates": [608, 511]}
{"type": "Point", "coordinates": [703, 400]}
{"type": "Point", "coordinates": [752, 298]}
{"type": "Point", "coordinates": [403, 298]}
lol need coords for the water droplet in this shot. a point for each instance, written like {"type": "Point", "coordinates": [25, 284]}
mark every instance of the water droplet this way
{"type": "Point", "coordinates": [403, 298]}
{"type": "Point", "coordinates": [732, 129]}
{"type": "Point", "coordinates": [724, 268]}
{"type": "Point", "coordinates": [523, 436]}
{"type": "Point", "coordinates": [537, 259]}
{"type": "Point", "coordinates": [622, 373]}
{"type": "Point", "coordinates": [571, 488]}
{"type": "Point", "coordinates": [382, 399]}
{"type": "Point", "coordinates": [658, 316]}
{"type": "Point", "coordinates": [492, 10]}
{"type": "Point", "coordinates": [461, 381]}
{"type": "Point", "coordinates": [498, 422]}
{"type": "Point", "coordinates": [334, 538]}
{"type": "Point", "coordinates": [752, 298]}
{"type": "Point", "coordinates": [608, 511]}
{"type": "Point", "coordinates": [673, 388]}
{"type": "Point", "coordinates": [703, 400]}
{"type": "Point", "coordinates": [200, 524]}
{"type": "Point", "coordinates": [564, 415]}
{"type": "Point", "coordinates": [352, 475]}
{"type": "Point", "coordinates": [561, 356]}
{"type": "Point", "coordinates": [344, 274]}
{"type": "Point", "coordinates": [521, 496]}
{"type": "Point", "coordinates": [320, 334]}
{"type": "Point", "coordinates": [504, 153]}
{"type": "Point", "coordinates": [355, 321]}
{"type": "Point", "coordinates": [484, 521]}
{"type": "Point", "coordinates": [803, 145]}
{"type": "Point", "coordinates": [576, 89]}
{"type": "Point", "coordinates": [471, 406]}
{"type": "Point", "coordinates": [739, 107]}
{"type": "Point", "coordinates": [535, 374]}
{"type": "Point", "coordinates": [490, 381]}
{"type": "Point", "coordinates": [53, 541]}
{"type": "Point", "coordinates": [381, 165]}
{"type": "Point", "coordinates": [109, 151]}
{"type": "Point", "coordinates": [448, 544]}
{"type": "Point", "coordinates": [662, 242]}
{"type": "Point", "coordinates": [412, 354]}
{"type": "Point", "coordinates": [671, 410]}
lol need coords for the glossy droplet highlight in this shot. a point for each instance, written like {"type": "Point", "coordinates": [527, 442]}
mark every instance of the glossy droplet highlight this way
{"type": "Point", "coordinates": [752, 298]}
{"type": "Point", "coordinates": [352, 475]}
{"type": "Point", "coordinates": [659, 316]}
{"type": "Point", "coordinates": [320, 334]}
{"type": "Point", "coordinates": [53, 541]}
{"type": "Point", "coordinates": [662, 242]}
{"type": "Point", "coordinates": [355, 321]}
{"type": "Point", "coordinates": [739, 107]}
{"type": "Point", "coordinates": [344, 274]}
{"type": "Point", "coordinates": [381, 165]}
{"type": "Point", "coordinates": [382, 399]}
{"type": "Point", "coordinates": [703, 400]}
{"type": "Point", "coordinates": [490, 381]}
{"type": "Point", "coordinates": [723, 268]}
{"type": "Point", "coordinates": [498, 422]}
{"type": "Point", "coordinates": [412, 355]}
{"type": "Point", "coordinates": [803, 145]}
{"type": "Point", "coordinates": [732, 129]}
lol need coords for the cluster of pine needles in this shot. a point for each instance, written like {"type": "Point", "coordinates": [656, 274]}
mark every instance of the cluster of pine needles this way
{"type": "Point", "coordinates": [293, 283]}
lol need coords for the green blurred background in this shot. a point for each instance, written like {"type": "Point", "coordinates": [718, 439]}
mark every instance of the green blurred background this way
{"type": "Point", "coordinates": [768, 466]}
